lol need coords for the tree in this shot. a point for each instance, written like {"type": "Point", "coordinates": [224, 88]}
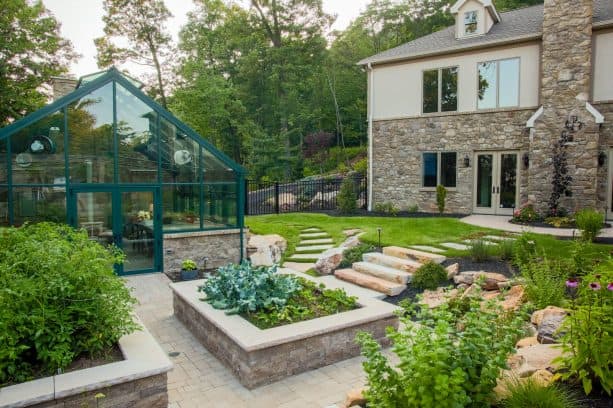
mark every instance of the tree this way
{"type": "Point", "coordinates": [31, 53]}
{"type": "Point", "coordinates": [141, 25]}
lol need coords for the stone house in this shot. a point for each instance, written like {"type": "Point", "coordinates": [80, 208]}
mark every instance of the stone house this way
{"type": "Point", "coordinates": [479, 107]}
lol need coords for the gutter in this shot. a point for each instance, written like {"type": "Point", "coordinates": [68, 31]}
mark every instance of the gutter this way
{"type": "Point", "coordinates": [371, 90]}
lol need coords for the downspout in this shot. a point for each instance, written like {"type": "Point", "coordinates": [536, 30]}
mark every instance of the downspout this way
{"type": "Point", "coordinates": [370, 141]}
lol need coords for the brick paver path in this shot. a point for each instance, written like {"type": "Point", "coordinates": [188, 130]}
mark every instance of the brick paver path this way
{"type": "Point", "coordinates": [200, 380]}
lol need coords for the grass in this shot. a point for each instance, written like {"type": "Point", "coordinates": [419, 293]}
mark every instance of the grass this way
{"type": "Point", "coordinates": [394, 231]}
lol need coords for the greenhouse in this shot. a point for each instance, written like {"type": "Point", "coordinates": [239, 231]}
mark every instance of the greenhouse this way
{"type": "Point", "coordinates": [110, 160]}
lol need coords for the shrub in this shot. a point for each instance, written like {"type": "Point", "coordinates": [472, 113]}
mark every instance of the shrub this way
{"type": "Point", "coordinates": [347, 197]}
{"type": "Point", "coordinates": [441, 195]}
{"type": "Point", "coordinates": [413, 208]}
{"type": "Point", "coordinates": [354, 254]}
{"type": "Point", "coordinates": [529, 393]}
{"type": "Point", "coordinates": [386, 208]}
{"type": "Point", "coordinates": [361, 166]}
{"type": "Point", "coordinates": [526, 213]}
{"type": "Point", "coordinates": [544, 282]}
{"type": "Point", "coordinates": [524, 250]}
{"type": "Point", "coordinates": [429, 276]}
{"type": "Point", "coordinates": [446, 359]}
{"type": "Point", "coordinates": [589, 222]}
{"type": "Point", "coordinates": [505, 249]}
{"type": "Point", "coordinates": [588, 339]}
{"type": "Point", "coordinates": [59, 299]}
{"type": "Point", "coordinates": [245, 288]}
{"type": "Point", "coordinates": [309, 302]}
{"type": "Point", "coordinates": [479, 250]}
{"type": "Point", "coordinates": [559, 222]}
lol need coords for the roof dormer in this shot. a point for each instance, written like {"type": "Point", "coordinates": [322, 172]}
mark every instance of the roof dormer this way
{"type": "Point", "coordinates": [474, 17]}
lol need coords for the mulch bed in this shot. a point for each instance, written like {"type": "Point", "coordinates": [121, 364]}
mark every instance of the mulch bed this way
{"type": "Point", "coordinates": [597, 398]}
{"type": "Point", "coordinates": [545, 225]}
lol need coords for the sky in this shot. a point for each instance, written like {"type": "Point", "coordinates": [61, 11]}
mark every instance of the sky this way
{"type": "Point", "coordinates": [82, 22]}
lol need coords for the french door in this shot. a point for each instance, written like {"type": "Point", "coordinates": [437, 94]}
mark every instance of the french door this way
{"type": "Point", "coordinates": [127, 217]}
{"type": "Point", "coordinates": [610, 188]}
{"type": "Point", "coordinates": [496, 187]}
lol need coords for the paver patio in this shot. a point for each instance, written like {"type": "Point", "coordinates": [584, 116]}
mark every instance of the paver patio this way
{"type": "Point", "coordinates": [200, 380]}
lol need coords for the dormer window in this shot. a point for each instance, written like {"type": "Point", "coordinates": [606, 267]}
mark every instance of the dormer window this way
{"type": "Point", "coordinates": [470, 22]}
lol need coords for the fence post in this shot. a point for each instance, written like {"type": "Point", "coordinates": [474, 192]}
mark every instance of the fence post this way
{"type": "Point", "coordinates": [246, 197]}
{"type": "Point", "coordinates": [277, 197]}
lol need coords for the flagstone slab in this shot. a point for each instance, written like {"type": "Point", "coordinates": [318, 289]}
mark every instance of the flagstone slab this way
{"type": "Point", "coordinates": [428, 248]}
{"type": "Point", "coordinates": [311, 248]}
{"type": "Point", "coordinates": [488, 243]}
{"type": "Point", "coordinates": [299, 266]}
{"type": "Point", "coordinates": [311, 230]}
{"type": "Point", "coordinates": [307, 257]}
{"type": "Point", "coordinates": [498, 238]}
{"type": "Point", "coordinates": [315, 235]}
{"type": "Point", "coordinates": [318, 241]}
{"type": "Point", "coordinates": [454, 245]}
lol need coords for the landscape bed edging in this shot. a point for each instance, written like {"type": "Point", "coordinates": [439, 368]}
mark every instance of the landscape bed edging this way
{"type": "Point", "coordinates": [257, 357]}
{"type": "Point", "coordinates": [137, 381]}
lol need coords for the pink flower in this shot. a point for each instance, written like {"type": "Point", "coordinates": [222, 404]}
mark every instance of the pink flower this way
{"type": "Point", "coordinates": [610, 286]}
{"type": "Point", "coordinates": [595, 286]}
{"type": "Point", "coordinates": [572, 283]}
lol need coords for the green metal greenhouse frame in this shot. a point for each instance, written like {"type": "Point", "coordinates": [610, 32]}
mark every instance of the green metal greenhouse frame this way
{"type": "Point", "coordinates": [155, 186]}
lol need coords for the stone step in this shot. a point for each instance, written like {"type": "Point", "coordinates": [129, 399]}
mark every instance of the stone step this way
{"type": "Point", "coordinates": [317, 241]}
{"type": "Point", "coordinates": [314, 235]}
{"type": "Point", "coordinates": [407, 265]}
{"type": "Point", "coordinates": [298, 266]}
{"type": "Point", "coordinates": [382, 272]}
{"type": "Point", "coordinates": [408, 253]}
{"type": "Point", "coordinates": [304, 257]}
{"type": "Point", "coordinates": [370, 282]}
{"type": "Point", "coordinates": [455, 245]}
{"type": "Point", "coordinates": [312, 248]}
{"type": "Point", "coordinates": [312, 229]}
{"type": "Point", "coordinates": [428, 248]}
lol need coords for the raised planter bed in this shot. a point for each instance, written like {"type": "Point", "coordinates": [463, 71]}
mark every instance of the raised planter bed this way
{"type": "Point", "coordinates": [258, 357]}
{"type": "Point", "coordinates": [137, 381]}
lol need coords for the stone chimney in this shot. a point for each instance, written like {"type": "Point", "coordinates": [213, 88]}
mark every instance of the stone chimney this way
{"type": "Point", "coordinates": [566, 66]}
{"type": "Point", "coordinates": [62, 86]}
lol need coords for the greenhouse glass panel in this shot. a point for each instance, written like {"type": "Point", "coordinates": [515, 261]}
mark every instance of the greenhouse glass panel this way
{"type": "Point", "coordinates": [4, 206]}
{"type": "Point", "coordinates": [214, 169]}
{"type": "Point", "coordinates": [90, 135]}
{"type": "Point", "coordinates": [181, 207]}
{"type": "Point", "coordinates": [37, 204]}
{"type": "Point", "coordinates": [180, 155]}
{"type": "Point", "coordinates": [37, 152]}
{"type": "Point", "coordinates": [3, 162]}
{"type": "Point", "coordinates": [136, 132]}
{"type": "Point", "coordinates": [220, 209]}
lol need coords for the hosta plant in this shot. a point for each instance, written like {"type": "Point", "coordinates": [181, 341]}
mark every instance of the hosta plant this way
{"type": "Point", "coordinates": [246, 288]}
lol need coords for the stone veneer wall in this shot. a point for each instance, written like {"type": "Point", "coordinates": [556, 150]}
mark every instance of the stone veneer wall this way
{"type": "Point", "coordinates": [565, 85]}
{"type": "Point", "coordinates": [398, 146]}
{"type": "Point", "coordinates": [221, 247]}
{"type": "Point", "coordinates": [264, 366]}
{"type": "Point", "coordinates": [150, 392]}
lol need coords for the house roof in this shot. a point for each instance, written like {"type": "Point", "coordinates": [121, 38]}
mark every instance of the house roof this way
{"type": "Point", "coordinates": [516, 25]}
{"type": "Point", "coordinates": [99, 80]}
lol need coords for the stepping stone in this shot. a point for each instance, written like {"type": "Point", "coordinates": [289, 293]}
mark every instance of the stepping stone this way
{"type": "Point", "coordinates": [313, 248]}
{"type": "Point", "coordinates": [311, 230]}
{"type": "Point", "coordinates": [382, 272]}
{"type": "Point", "coordinates": [428, 248]}
{"type": "Point", "coordinates": [498, 238]}
{"type": "Point", "coordinates": [407, 265]}
{"type": "Point", "coordinates": [371, 282]}
{"type": "Point", "coordinates": [316, 241]}
{"type": "Point", "coordinates": [453, 245]}
{"type": "Point", "coordinates": [409, 253]}
{"type": "Point", "coordinates": [489, 243]}
{"type": "Point", "coordinates": [299, 266]}
{"type": "Point", "coordinates": [315, 235]}
{"type": "Point", "coordinates": [305, 257]}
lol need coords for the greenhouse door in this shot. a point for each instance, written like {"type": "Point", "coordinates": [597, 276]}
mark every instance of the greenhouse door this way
{"type": "Point", "coordinates": [125, 216]}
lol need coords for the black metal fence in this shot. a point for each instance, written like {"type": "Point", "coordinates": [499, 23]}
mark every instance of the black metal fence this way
{"type": "Point", "coordinates": [299, 196]}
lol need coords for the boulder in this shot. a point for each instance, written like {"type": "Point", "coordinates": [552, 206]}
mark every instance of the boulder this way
{"type": "Point", "coordinates": [540, 356]}
{"type": "Point", "coordinates": [452, 270]}
{"type": "Point", "coordinates": [352, 232]}
{"type": "Point", "coordinates": [329, 261]}
{"type": "Point", "coordinates": [489, 280]}
{"type": "Point", "coordinates": [265, 250]}
{"type": "Point", "coordinates": [527, 342]}
{"type": "Point", "coordinates": [549, 329]}
{"type": "Point", "coordinates": [324, 199]}
{"type": "Point", "coordinates": [543, 377]}
{"type": "Point", "coordinates": [351, 242]}
{"type": "Point", "coordinates": [354, 398]}
{"type": "Point", "coordinates": [435, 298]}
{"type": "Point", "coordinates": [513, 298]}
{"type": "Point", "coordinates": [540, 315]}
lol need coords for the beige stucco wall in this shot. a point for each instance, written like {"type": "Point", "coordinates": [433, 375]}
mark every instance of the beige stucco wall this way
{"type": "Point", "coordinates": [603, 61]}
{"type": "Point", "coordinates": [398, 88]}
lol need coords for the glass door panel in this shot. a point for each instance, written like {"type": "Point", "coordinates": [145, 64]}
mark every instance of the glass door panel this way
{"type": "Point", "coordinates": [484, 178]}
{"type": "Point", "coordinates": [138, 230]}
{"type": "Point", "coordinates": [507, 189]}
{"type": "Point", "coordinates": [95, 215]}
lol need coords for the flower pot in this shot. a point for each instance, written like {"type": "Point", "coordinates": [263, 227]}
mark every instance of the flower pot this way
{"type": "Point", "coordinates": [189, 274]}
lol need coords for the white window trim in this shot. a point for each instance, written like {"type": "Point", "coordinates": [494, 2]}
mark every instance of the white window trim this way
{"type": "Point", "coordinates": [439, 106]}
{"type": "Point", "coordinates": [476, 32]}
{"type": "Point", "coordinates": [498, 83]}
{"type": "Point", "coordinates": [438, 169]}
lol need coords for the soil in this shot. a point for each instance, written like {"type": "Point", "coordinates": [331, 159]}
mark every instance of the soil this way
{"type": "Point", "coordinates": [466, 264]}
{"type": "Point", "coordinates": [598, 398]}
{"type": "Point", "coordinates": [112, 355]}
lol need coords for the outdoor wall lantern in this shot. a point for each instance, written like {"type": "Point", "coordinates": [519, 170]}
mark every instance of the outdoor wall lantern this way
{"type": "Point", "coordinates": [573, 123]}
{"type": "Point", "coordinates": [602, 158]}
{"type": "Point", "coordinates": [466, 161]}
{"type": "Point", "coordinates": [526, 160]}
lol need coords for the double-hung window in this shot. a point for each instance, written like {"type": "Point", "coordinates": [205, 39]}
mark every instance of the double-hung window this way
{"type": "Point", "coordinates": [440, 90]}
{"type": "Point", "coordinates": [498, 84]}
{"type": "Point", "coordinates": [439, 168]}
{"type": "Point", "coordinates": [470, 22]}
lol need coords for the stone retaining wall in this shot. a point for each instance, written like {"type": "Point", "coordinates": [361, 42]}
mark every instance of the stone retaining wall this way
{"type": "Point", "coordinates": [150, 392]}
{"type": "Point", "coordinates": [218, 247]}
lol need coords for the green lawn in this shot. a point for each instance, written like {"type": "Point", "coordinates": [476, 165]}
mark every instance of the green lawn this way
{"type": "Point", "coordinates": [394, 231]}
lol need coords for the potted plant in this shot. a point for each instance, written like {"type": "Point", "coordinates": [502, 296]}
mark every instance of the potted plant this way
{"type": "Point", "coordinates": [189, 270]}
{"type": "Point", "coordinates": [190, 217]}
